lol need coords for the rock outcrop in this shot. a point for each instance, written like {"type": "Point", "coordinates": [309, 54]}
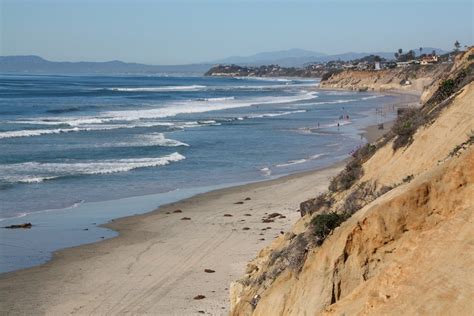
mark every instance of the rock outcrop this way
{"type": "Point", "coordinates": [394, 234]}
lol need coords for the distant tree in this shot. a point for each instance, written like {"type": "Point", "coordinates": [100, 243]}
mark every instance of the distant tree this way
{"type": "Point", "coordinates": [396, 56]}
{"type": "Point", "coordinates": [457, 45]}
{"type": "Point", "coordinates": [400, 51]}
{"type": "Point", "coordinates": [433, 53]}
{"type": "Point", "coordinates": [421, 49]}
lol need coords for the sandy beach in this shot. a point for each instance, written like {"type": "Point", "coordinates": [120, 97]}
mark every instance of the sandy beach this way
{"type": "Point", "coordinates": [156, 265]}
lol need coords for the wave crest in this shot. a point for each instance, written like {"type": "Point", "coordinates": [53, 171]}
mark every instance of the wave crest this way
{"type": "Point", "coordinates": [36, 172]}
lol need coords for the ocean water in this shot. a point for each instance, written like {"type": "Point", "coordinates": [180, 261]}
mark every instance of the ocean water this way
{"type": "Point", "coordinates": [71, 145]}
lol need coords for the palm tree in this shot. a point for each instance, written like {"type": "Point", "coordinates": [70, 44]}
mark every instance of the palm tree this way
{"type": "Point", "coordinates": [396, 56]}
{"type": "Point", "coordinates": [457, 45]}
{"type": "Point", "coordinates": [421, 49]}
{"type": "Point", "coordinates": [400, 51]}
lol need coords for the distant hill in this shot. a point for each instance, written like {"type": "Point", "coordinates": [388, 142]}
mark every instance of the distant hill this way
{"type": "Point", "coordinates": [285, 58]}
{"type": "Point", "coordinates": [300, 57]}
{"type": "Point", "coordinates": [35, 64]}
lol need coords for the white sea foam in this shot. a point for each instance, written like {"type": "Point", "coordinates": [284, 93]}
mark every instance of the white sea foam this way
{"type": "Point", "coordinates": [298, 161]}
{"type": "Point", "coordinates": [97, 123]}
{"type": "Point", "coordinates": [148, 140]}
{"type": "Point", "coordinates": [275, 114]}
{"type": "Point", "coordinates": [35, 172]}
{"type": "Point", "coordinates": [199, 107]}
{"type": "Point", "coordinates": [266, 171]}
{"type": "Point", "coordinates": [87, 128]}
{"type": "Point", "coordinates": [291, 162]}
{"type": "Point", "coordinates": [372, 97]}
{"type": "Point", "coordinates": [159, 89]}
{"type": "Point", "coordinates": [216, 99]}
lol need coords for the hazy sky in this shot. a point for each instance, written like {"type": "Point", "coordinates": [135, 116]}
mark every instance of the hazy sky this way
{"type": "Point", "coordinates": [185, 31]}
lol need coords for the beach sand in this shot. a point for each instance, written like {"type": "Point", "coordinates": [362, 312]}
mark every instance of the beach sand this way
{"type": "Point", "coordinates": [156, 266]}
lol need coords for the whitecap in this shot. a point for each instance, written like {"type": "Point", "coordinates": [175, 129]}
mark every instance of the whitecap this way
{"type": "Point", "coordinates": [36, 172]}
{"type": "Point", "coordinates": [158, 89]}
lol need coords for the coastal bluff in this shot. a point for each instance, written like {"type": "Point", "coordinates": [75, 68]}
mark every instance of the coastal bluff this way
{"type": "Point", "coordinates": [393, 234]}
{"type": "Point", "coordinates": [415, 78]}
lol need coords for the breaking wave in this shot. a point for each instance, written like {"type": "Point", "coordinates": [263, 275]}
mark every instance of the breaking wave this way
{"type": "Point", "coordinates": [159, 89]}
{"type": "Point", "coordinates": [36, 172]}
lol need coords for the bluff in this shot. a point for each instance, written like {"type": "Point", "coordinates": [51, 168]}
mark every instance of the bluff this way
{"type": "Point", "coordinates": [416, 78]}
{"type": "Point", "coordinates": [394, 233]}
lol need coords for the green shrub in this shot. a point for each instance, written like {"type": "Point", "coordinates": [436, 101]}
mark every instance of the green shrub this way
{"type": "Point", "coordinates": [447, 88]}
{"type": "Point", "coordinates": [313, 205]}
{"type": "Point", "coordinates": [329, 74]}
{"type": "Point", "coordinates": [323, 224]}
{"type": "Point", "coordinates": [347, 177]}
{"type": "Point", "coordinates": [353, 171]}
{"type": "Point", "coordinates": [405, 127]}
{"type": "Point", "coordinates": [408, 178]}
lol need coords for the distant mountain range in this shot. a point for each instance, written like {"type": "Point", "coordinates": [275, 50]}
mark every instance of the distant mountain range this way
{"type": "Point", "coordinates": [36, 64]}
{"type": "Point", "coordinates": [286, 58]}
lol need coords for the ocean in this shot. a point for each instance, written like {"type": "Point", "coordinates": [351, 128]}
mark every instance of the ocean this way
{"type": "Point", "coordinates": [77, 151]}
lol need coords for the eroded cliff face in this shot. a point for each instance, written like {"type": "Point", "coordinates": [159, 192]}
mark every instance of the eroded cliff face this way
{"type": "Point", "coordinates": [414, 78]}
{"type": "Point", "coordinates": [406, 245]}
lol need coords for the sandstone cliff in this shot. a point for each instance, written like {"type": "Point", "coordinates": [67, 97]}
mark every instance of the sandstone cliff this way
{"type": "Point", "coordinates": [413, 78]}
{"type": "Point", "coordinates": [394, 234]}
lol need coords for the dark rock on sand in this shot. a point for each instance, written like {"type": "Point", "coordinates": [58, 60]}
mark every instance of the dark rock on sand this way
{"type": "Point", "coordinates": [246, 228]}
{"type": "Point", "coordinates": [24, 225]}
{"type": "Point", "coordinates": [209, 271]}
{"type": "Point", "coordinates": [240, 202]}
{"type": "Point", "coordinates": [247, 199]}
{"type": "Point", "coordinates": [186, 218]}
{"type": "Point", "coordinates": [199, 297]}
{"type": "Point", "coordinates": [177, 211]}
{"type": "Point", "coordinates": [228, 215]}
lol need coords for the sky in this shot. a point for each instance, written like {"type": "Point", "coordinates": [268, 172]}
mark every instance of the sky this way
{"type": "Point", "coordinates": [189, 31]}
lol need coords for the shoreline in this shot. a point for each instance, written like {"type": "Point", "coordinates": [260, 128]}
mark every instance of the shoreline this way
{"type": "Point", "coordinates": [181, 249]}
{"type": "Point", "coordinates": [143, 238]}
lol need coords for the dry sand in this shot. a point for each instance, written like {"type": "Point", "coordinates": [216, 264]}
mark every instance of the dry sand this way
{"type": "Point", "coordinates": [156, 266]}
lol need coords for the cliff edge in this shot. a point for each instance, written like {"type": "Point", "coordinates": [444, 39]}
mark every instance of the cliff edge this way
{"type": "Point", "coordinates": [394, 233]}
